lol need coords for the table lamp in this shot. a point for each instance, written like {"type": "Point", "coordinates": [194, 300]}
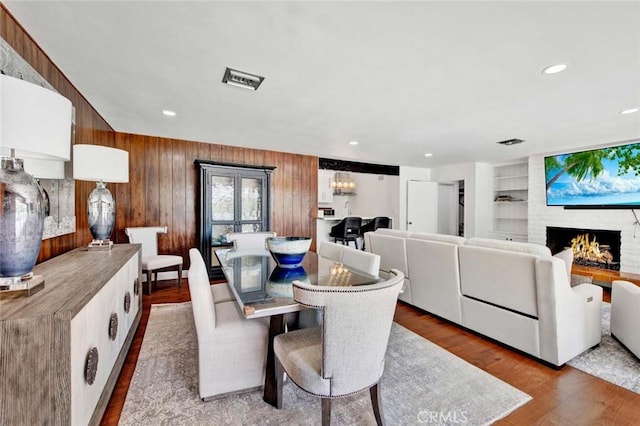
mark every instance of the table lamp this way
{"type": "Point", "coordinates": [35, 123]}
{"type": "Point", "coordinates": [100, 164]}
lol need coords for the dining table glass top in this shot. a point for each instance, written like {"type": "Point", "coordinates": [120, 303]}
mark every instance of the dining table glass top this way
{"type": "Point", "coordinates": [262, 288]}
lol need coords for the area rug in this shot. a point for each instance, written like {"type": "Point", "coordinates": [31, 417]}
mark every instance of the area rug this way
{"type": "Point", "coordinates": [422, 383]}
{"type": "Point", "coordinates": [610, 360]}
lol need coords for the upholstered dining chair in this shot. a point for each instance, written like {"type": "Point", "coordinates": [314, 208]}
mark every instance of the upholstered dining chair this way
{"type": "Point", "coordinates": [250, 242]}
{"type": "Point", "coordinates": [232, 350]}
{"type": "Point", "coordinates": [152, 262]}
{"type": "Point", "coordinates": [348, 229]}
{"type": "Point", "coordinates": [331, 251]}
{"type": "Point", "coordinates": [346, 353]}
{"type": "Point", "coordinates": [363, 261]}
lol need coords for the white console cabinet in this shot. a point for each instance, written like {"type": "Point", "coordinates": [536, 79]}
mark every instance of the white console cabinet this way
{"type": "Point", "coordinates": [62, 348]}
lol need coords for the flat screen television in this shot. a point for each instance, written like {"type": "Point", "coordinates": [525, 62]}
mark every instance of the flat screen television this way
{"type": "Point", "coordinates": [599, 178]}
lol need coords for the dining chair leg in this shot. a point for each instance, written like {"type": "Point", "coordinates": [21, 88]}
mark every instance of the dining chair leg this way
{"type": "Point", "coordinates": [279, 382]}
{"type": "Point", "coordinates": [149, 282]}
{"type": "Point", "coordinates": [376, 402]}
{"type": "Point", "coordinates": [326, 411]}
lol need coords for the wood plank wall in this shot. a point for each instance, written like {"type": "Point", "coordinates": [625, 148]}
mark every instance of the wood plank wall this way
{"type": "Point", "coordinates": [163, 188]}
{"type": "Point", "coordinates": [163, 179]}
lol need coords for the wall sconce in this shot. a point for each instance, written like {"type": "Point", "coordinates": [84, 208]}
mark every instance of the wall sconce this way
{"type": "Point", "coordinates": [35, 123]}
{"type": "Point", "coordinates": [100, 164]}
{"type": "Point", "coordinates": [343, 184]}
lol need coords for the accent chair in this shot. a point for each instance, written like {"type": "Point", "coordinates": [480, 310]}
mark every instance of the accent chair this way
{"type": "Point", "coordinates": [152, 262]}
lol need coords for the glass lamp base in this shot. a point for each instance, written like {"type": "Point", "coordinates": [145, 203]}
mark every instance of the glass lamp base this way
{"type": "Point", "coordinates": [15, 287]}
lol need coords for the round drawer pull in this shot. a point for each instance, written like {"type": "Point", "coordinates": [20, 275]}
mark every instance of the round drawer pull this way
{"type": "Point", "coordinates": [113, 326]}
{"type": "Point", "coordinates": [91, 365]}
{"type": "Point", "coordinates": [127, 302]}
{"type": "Point", "coordinates": [136, 286]}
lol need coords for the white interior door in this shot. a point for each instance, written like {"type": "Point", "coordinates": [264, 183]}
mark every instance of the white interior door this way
{"type": "Point", "coordinates": [422, 206]}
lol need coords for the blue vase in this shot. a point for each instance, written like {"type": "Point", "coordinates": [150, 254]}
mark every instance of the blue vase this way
{"type": "Point", "coordinates": [21, 219]}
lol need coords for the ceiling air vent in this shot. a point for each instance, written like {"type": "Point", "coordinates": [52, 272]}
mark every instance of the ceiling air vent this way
{"type": "Point", "coordinates": [510, 142]}
{"type": "Point", "coordinates": [242, 79]}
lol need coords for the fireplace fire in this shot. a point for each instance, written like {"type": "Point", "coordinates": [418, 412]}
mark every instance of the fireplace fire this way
{"type": "Point", "coordinates": [591, 247]}
{"type": "Point", "coordinates": [588, 252]}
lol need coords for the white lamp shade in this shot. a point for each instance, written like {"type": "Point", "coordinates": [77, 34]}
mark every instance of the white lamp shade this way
{"type": "Point", "coordinates": [34, 121]}
{"type": "Point", "coordinates": [44, 169]}
{"type": "Point", "coordinates": [100, 163]}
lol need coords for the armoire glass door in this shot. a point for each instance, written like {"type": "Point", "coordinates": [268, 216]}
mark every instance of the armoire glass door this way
{"type": "Point", "coordinates": [233, 198]}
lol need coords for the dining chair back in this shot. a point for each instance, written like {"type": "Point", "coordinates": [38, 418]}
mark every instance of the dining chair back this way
{"type": "Point", "coordinates": [346, 353]}
{"type": "Point", "coordinates": [152, 262]}
{"type": "Point", "coordinates": [332, 251]}
{"type": "Point", "coordinates": [363, 261]}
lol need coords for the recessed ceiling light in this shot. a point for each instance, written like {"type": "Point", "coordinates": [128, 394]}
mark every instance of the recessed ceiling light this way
{"type": "Point", "coordinates": [554, 69]}
{"type": "Point", "coordinates": [630, 111]}
{"type": "Point", "coordinates": [353, 142]}
{"type": "Point", "coordinates": [428, 154]}
{"type": "Point", "coordinates": [168, 113]}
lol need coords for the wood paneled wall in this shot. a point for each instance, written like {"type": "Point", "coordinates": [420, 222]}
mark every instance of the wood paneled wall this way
{"type": "Point", "coordinates": [163, 188]}
{"type": "Point", "coordinates": [163, 180]}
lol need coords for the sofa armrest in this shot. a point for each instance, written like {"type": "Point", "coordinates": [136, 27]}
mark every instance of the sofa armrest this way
{"type": "Point", "coordinates": [569, 318]}
{"type": "Point", "coordinates": [625, 314]}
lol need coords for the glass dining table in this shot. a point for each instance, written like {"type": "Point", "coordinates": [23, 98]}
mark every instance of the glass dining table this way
{"type": "Point", "coordinates": [263, 289]}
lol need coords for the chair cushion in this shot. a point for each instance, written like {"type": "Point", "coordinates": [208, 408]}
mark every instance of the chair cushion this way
{"type": "Point", "coordinates": [300, 353]}
{"type": "Point", "coordinates": [151, 263]}
{"type": "Point", "coordinates": [221, 293]}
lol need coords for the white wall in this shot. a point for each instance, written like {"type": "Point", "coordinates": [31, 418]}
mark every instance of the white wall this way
{"type": "Point", "coordinates": [478, 187]}
{"type": "Point", "coordinates": [541, 216]}
{"type": "Point", "coordinates": [407, 174]}
{"type": "Point", "coordinates": [377, 195]}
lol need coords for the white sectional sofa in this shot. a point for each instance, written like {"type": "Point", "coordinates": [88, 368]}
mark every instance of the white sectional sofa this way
{"type": "Point", "coordinates": [515, 293]}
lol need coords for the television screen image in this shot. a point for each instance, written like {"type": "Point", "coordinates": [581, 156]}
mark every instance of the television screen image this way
{"type": "Point", "coordinates": [599, 178]}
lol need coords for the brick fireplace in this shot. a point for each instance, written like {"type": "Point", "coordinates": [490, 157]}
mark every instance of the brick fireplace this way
{"type": "Point", "coordinates": [594, 248]}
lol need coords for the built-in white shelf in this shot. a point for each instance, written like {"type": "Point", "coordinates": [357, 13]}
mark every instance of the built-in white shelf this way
{"type": "Point", "coordinates": [510, 217]}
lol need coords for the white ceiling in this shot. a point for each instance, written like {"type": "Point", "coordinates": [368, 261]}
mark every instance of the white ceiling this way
{"type": "Point", "coordinates": [450, 78]}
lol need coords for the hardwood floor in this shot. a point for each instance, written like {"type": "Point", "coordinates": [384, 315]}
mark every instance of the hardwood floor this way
{"type": "Point", "coordinates": [564, 397]}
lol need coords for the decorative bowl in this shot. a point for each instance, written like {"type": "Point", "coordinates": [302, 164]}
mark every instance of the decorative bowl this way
{"type": "Point", "coordinates": [288, 252]}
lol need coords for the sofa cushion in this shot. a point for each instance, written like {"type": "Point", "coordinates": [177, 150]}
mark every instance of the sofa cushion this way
{"type": "Point", "coordinates": [500, 277]}
{"type": "Point", "coordinates": [530, 248]}
{"type": "Point", "coordinates": [443, 238]}
{"type": "Point", "coordinates": [394, 232]}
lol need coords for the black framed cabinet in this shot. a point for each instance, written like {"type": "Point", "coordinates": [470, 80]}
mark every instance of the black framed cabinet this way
{"type": "Point", "coordinates": [232, 198]}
